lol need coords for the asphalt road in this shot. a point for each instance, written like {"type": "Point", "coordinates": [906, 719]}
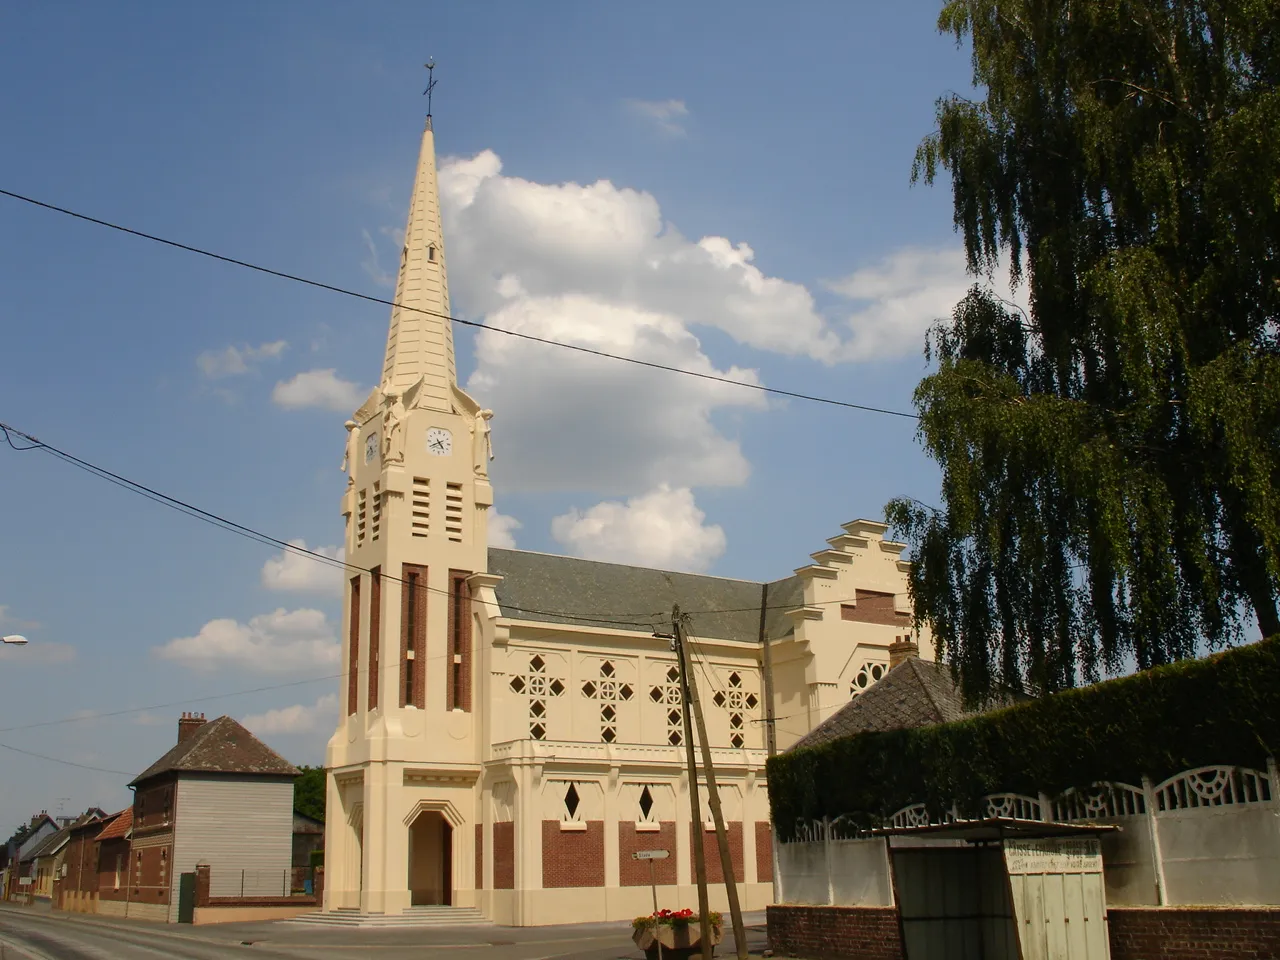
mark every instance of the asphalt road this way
{"type": "Point", "coordinates": [33, 934]}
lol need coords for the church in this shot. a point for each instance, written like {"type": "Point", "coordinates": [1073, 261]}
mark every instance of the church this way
{"type": "Point", "coordinates": [510, 729]}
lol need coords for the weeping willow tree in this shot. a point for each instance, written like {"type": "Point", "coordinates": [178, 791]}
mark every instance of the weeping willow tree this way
{"type": "Point", "coordinates": [1110, 459]}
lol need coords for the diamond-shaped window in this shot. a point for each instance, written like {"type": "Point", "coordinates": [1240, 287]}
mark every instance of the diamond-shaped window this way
{"type": "Point", "coordinates": [556, 688]}
{"type": "Point", "coordinates": [538, 731]}
{"type": "Point", "coordinates": [751, 701]}
{"type": "Point", "coordinates": [607, 713]}
{"type": "Point", "coordinates": [606, 669]}
{"type": "Point", "coordinates": [624, 692]}
{"type": "Point", "coordinates": [571, 800]}
{"type": "Point", "coordinates": [656, 694]}
{"type": "Point", "coordinates": [673, 716]}
{"type": "Point", "coordinates": [737, 740]}
{"type": "Point", "coordinates": [537, 664]}
{"type": "Point", "coordinates": [673, 674]}
{"type": "Point", "coordinates": [718, 699]}
{"type": "Point", "coordinates": [608, 735]}
{"type": "Point", "coordinates": [646, 803]}
{"type": "Point", "coordinates": [517, 684]}
{"type": "Point", "coordinates": [735, 721]}
{"type": "Point", "coordinates": [673, 738]}
{"type": "Point", "coordinates": [537, 708]}
{"type": "Point", "coordinates": [589, 689]}
{"type": "Point", "coordinates": [735, 680]}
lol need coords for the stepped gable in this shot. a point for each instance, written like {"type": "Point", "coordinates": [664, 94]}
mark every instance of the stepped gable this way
{"type": "Point", "coordinates": [915, 693]}
{"type": "Point", "coordinates": [572, 590]}
{"type": "Point", "coordinates": [220, 746]}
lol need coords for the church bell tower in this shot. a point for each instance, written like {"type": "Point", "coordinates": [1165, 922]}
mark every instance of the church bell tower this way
{"type": "Point", "coordinates": [404, 761]}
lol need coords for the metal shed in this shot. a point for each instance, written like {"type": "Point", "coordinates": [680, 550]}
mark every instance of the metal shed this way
{"type": "Point", "coordinates": [1000, 889]}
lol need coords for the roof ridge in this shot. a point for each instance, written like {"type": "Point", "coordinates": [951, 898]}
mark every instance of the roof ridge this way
{"type": "Point", "coordinates": [636, 566]}
{"type": "Point", "coordinates": [933, 702]}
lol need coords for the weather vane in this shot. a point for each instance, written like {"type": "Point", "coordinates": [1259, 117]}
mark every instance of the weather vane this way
{"type": "Point", "coordinates": [431, 84]}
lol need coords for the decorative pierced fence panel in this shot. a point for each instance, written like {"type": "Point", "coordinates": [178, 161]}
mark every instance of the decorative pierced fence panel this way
{"type": "Point", "coordinates": [1218, 837]}
{"type": "Point", "coordinates": [1012, 806]}
{"type": "Point", "coordinates": [1129, 862]}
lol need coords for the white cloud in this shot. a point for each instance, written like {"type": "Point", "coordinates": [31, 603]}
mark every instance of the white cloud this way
{"type": "Point", "coordinates": [302, 574]}
{"type": "Point", "coordinates": [318, 388]}
{"type": "Point", "coordinates": [502, 530]}
{"type": "Point", "coordinates": [667, 115]}
{"type": "Point", "coordinates": [570, 422]}
{"type": "Point", "coordinates": [37, 653]}
{"type": "Point", "coordinates": [300, 718]}
{"type": "Point", "coordinates": [511, 238]}
{"type": "Point", "coordinates": [235, 361]}
{"type": "Point", "coordinates": [902, 295]}
{"type": "Point", "coordinates": [663, 528]}
{"type": "Point", "coordinates": [284, 641]}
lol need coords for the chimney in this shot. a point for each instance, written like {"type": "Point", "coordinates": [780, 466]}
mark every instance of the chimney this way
{"type": "Point", "coordinates": [188, 724]}
{"type": "Point", "coordinates": [902, 648]}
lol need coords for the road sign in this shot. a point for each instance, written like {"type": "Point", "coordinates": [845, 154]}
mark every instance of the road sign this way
{"type": "Point", "coordinates": [650, 855]}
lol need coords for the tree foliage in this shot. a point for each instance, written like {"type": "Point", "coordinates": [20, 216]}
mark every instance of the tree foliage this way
{"type": "Point", "coordinates": [1110, 461]}
{"type": "Point", "coordinates": [309, 793]}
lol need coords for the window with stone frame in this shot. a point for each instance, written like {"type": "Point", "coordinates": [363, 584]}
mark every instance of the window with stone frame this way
{"type": "Point", "coordinates": [667, 694]}
{"type": "Point", "coordinates": [866, 676]}
{"type": "Point", "coordinates": [572, 804]}
{"type": "Point", "coordinates": [647, 806]}
{"type": "Point", "coordinates": [539, 687]}
{"type": "Point", "coordinates": [736, 701]}
{"type": "Point", "coordinates": [608, 692]}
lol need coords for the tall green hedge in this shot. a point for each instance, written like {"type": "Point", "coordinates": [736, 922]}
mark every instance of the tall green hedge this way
{"type": "Point", "coordinates": [1221, 710]}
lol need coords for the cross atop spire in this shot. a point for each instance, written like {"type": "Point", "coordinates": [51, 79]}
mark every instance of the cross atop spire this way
{"type": "Point", "coordinates": [431, 83]}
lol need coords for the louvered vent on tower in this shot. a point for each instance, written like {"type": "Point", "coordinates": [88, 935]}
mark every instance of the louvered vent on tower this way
{"type": "Point", "coordinates": [362, 516]}
{"type": "Point", "coordinates": [376, 522]}
{"type": "Point", "coordinates": [453, 512]}
{"type": "Point", "coordinates": [421, 506]}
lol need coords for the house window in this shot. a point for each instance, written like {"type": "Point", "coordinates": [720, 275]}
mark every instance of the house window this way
{"type": "Point", "coordinates": [413, 636]}
{"type": "Point", "coordinates": [119, 869]}
{"type": "Point", "coordinates": [431, 253]}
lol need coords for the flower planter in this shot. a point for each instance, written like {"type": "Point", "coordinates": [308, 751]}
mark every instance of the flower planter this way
{"type": "Point", "coordinates": [679, 940]}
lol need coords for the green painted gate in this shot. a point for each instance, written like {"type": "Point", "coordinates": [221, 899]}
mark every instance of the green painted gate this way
{"type": "Point", "coordinates": [187, 898]}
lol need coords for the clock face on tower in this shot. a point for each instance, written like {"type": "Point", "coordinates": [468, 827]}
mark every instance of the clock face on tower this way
{"type": "Point", "coordinates": [370, 447]}
{"type": "Point", "coordinates": [439, 441]}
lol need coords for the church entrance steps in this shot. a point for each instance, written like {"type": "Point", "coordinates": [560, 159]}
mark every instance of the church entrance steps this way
{"type": "Point", "coordinates": [433, 916]}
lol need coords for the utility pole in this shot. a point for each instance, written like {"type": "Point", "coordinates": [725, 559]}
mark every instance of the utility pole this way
{"type": "Point", "coordinates": [699, 855]}
{"type": "Point", "coordinates": [713, 794]}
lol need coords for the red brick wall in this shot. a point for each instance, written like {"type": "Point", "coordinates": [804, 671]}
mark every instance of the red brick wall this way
{"type": "Point", "coordinates": [1194, 933]}
{"type": "Point", "coordinates": [153, 806]}
{"type": "Point", "coordinates": [874, 607]}
{"type": "Point", "coordinates": [82, 861]}
{"type": "Point", "coordinates": [504, 856]}
{"type": "Point", "coordinates": [572, 858]}
{"type": "Point", "coordinates": [837, 933]}
{"type": "Point", "coordinates": [715, 874]}
{"type": "Point", "coordinates": [479, 856]}
{"type": "Point", "coordinates": [764, 851]}
{"type": "Point", "coordinates": [635, 873]}
{"type": "Point", "coordinates": [108, 850]}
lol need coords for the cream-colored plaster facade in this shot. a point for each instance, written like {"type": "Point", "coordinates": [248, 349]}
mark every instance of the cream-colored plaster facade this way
{"type": "Point", "coordinates": [509, 724]}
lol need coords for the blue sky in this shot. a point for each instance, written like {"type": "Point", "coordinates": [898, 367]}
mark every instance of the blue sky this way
{"type": "Point", "coordinates": [286, 134]}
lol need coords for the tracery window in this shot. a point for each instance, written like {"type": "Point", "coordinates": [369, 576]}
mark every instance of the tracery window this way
{"type": "Point", "coordinates": [609, 692]}
{"type": "Point", "coordinates": [737, 701]}
{"type": "Point", "coordinates": [538, 686]}
{"type": "Point", "coordinates": [668, 694]}
{"type": "Point", "coordinates": [868, 674]}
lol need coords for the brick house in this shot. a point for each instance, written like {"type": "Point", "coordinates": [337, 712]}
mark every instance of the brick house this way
{"type": "Point", "coordinates": [219, 797]}
{"type": "Point", "coordinates": [20, 845]}
{"type": "Point", "coordinates": [78, 887]}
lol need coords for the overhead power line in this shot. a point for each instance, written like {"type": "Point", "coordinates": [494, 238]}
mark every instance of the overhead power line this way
{"type": "Point", "coordinates": [370, 298]}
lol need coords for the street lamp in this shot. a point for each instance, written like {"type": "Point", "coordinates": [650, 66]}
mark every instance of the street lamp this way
{"type": "Point", "coordinates": [14, 639]}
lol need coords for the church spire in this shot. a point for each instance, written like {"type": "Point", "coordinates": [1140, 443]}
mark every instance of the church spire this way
{"type": "Point", "coordinates": [420, 341]}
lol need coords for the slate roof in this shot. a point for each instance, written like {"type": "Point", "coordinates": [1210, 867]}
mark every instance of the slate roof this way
{"type": "Point", "coordinates": [220, 746]}
{"type": "Point", "coordinates": [119, 826]}
{"type": "Point", "coordinates": [49, 845]}
{"type": "Point", "coordinates": [915, 693]}
{"type": "Point", "coordinates": [546, 588]}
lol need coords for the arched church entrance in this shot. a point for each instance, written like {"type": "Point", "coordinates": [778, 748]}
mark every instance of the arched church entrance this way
{"type": "Point", "coordinates": [430, 859]}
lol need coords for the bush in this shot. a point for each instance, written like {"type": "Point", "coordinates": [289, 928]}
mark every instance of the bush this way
{"type": "Point", "coordinates": [1224, 709]}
